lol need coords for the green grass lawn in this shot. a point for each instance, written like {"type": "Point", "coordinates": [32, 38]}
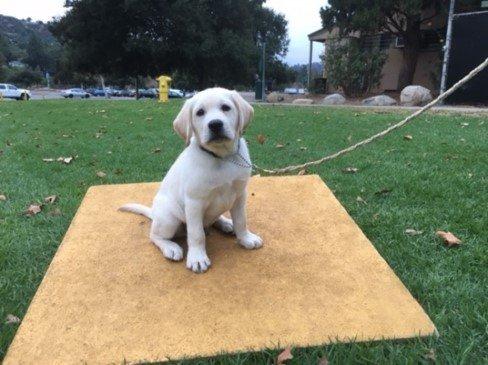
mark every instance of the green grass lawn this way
{"type": "Point", "coordinates": [437, 180]}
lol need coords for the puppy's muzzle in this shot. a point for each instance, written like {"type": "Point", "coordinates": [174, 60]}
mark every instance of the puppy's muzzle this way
{"type": "Point", "coordinates": [217, 132]}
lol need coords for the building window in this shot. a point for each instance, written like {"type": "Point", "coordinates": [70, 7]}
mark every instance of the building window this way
{"type": "Point", "coordinates": [399, 42]}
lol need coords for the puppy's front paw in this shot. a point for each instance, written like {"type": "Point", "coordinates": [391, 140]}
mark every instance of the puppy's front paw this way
{"type": "Point", "coordinates": [197, 261]}
{"type": "Point", "coordinates": [172, 252]}
{"type": "Point", "coordinates": [250, 241]}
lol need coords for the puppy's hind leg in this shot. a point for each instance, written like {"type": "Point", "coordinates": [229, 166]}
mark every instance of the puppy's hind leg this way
{"type": "Point", "coordinates": [224, 225]}
{"type": "Point", "coordinates": [162, 230]}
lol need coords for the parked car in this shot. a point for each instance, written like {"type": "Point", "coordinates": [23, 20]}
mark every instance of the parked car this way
{"type": "Point", "coordinates": [101, 92]}
{"type": "Point", "coordinates": [13, 92]}
{"type": "Point", "coordinates": [190, 94]}
{"type": "Point", "coordinates": [116, 92]}
{"type": "Point", "coordinates": [75, 93]}
{"type": "Point", "coordinates": [98, 92]}
{"type": "Point", "coordinates": [175, 93]}
{"type": "Point", "coordinates": [148, 93]}
{"type": "Point", "coordinates": [127, 93]}
{"type": "Point", "coordinates": [294, 91]}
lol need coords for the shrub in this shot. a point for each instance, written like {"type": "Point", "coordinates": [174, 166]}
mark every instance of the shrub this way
{"type": "Point", "coordinates": [353, 68]}
{"type": "Point", "coordinates": [26, 77]}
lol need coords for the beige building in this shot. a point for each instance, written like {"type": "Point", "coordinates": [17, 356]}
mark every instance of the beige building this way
{"type": "Point", "coordinates": [427, 72]}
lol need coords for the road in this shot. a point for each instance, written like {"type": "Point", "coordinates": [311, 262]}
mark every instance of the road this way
{"type": "Point", "coordinates": [45, 94]}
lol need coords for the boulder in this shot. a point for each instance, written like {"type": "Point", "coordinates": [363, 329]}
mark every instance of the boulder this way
{"type": "Point", "coordinates": [275, 97]}
{"type": "Point", "coordinates": [415, 95]}
{"type": "Point", "coordinates": [334, 99]}
{"type": "Point", "coordinates": [302, 101]}
{"type": "Point", "coordinates": [379, 100]}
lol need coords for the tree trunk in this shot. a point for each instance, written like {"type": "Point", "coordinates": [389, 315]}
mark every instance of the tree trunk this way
{"type": "Point", "coordinates": [411, 50]}
{"type": "Point", "coordinates": [102, 80]}
{"type": "Point", "coordinates": [137, 87]}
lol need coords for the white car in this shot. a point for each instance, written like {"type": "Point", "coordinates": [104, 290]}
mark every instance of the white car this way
{"type": "Point", "coordinates": [12, 92]}
{"type": "Point", "coordinates": [75, 93]}
{"type": "Point", "coordinates": [294, 91]}
{"type": "Point", "coordinates": [175, 93]}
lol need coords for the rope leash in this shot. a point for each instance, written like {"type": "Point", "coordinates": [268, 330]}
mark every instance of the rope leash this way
{"type": "Point", "coordinates": [366, 141]}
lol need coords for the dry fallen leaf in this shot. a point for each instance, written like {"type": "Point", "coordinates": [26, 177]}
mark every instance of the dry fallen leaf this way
{"type": "Point", "coordinates": [449, 239]}
{"type": "Point", "coordinates": [11, 319]}
{"type": "Point", "coordinates": [66, 160]}
{"type": "Point", "coordinates": [350, 170]}
{"type": "Point", "coordinates": [285, 355]}
{"type": "Point", "coordinates": [464, 124]}
{"type": "Point", "coordinates": [50, 199]}
{"type": "Point", "coordinates": [48, 159]}
{"type": "Point", "coordinates": [413, 232]}
{"type": "Point", "coordinates": [3, 197]}
{"type": "Point", "coordinates": [302, 172]}
{"type": "Point", "coordinates": [407, 137]}
{"type": "Point", "coordinates": [361, 200]}
{"type": "Point", "coordinates": [323, 361]}
{"type": "Point", "coordinates": [33, 209]}
{"type": "Point", "coordinates": [261, 139]}
{"type": "Point", "coordinates": [156, 150]}
{"type": "Point", "coordinates": [430, 355]}
{"type": "Point", "coordinates": [279, 145]}
{"type": "Point", "coordinates": [303, 148]}
{"type": "Point", "coordinates": [101, 174]}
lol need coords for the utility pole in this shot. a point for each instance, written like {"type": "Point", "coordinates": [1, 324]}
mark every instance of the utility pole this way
{"type": "Point", "coordinates": [447, 46]}
{"type": "Point", "coordinates": [309, 76]}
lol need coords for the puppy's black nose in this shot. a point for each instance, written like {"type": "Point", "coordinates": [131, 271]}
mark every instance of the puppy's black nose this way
{"type": "Point", "coordinates": [216, 125]}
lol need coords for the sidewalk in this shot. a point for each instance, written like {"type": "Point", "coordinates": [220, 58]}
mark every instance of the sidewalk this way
{"type": "Point", "coordinates": [442, 109]}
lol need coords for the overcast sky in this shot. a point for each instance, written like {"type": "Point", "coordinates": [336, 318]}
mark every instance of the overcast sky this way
{"type": "Point", "coordinates": [302, 15]}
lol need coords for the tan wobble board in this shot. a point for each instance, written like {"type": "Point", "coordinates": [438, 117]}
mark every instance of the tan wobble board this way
{"type": "Point", "coordinates": [110, 296]}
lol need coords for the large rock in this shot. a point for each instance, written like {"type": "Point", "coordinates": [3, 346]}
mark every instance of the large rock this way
{"type": "Point", "coordinates": [302, 101]}
{"type": "Point", "coordinates": [334, 99]}
{"type": "Point", "coordinates": [379, 100]}
{"type": "Point", "coordinates": [415, 95]}
{"type": "Point", "coordinates": [275, 97]}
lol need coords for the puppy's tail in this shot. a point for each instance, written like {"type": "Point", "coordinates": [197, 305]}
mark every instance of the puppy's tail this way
{"type": "Point", "coordinates": [137, 208]}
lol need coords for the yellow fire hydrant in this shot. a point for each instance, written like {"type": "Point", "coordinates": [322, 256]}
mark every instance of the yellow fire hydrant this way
{"type": "Point", "coordinates": [164, 84]}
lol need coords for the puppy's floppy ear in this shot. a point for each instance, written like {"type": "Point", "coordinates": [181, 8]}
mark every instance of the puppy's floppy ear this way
{"type": "Point", "coordinates": [182, 123]}
{"type": "Point", "coordinates": [244, 109]}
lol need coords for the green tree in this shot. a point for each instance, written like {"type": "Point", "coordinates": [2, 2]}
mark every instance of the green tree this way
{"type": "Point", "coordinates": [5, 50]}
{"type": "Point", "coordinates": [209, 41]}
{"type": "Point", "coordinates": [38, 55]}
{"type": "Point", "coordinates": [26, 77]}
{"type": "Point", "coordinates": [398, 17]}
{"type": "Point", "coordinates": [352, 67]}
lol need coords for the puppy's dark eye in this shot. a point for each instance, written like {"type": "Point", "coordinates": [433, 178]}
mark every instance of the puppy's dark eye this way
{"type": "Point", "coordinates": [225, 108]}
{"type": "Point", "coordinates": [200, 112]}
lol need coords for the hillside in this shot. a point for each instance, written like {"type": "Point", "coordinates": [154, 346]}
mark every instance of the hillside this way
{"type": "Point", "coordinates": [17, 32]}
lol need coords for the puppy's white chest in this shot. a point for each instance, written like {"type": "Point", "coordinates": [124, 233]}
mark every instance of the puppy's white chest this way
{"type": "Point", "coordinates": [222, 199]}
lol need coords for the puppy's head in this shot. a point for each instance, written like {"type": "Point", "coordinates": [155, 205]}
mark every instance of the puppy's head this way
{"type": "Point", "coordinates": [216, 117]}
